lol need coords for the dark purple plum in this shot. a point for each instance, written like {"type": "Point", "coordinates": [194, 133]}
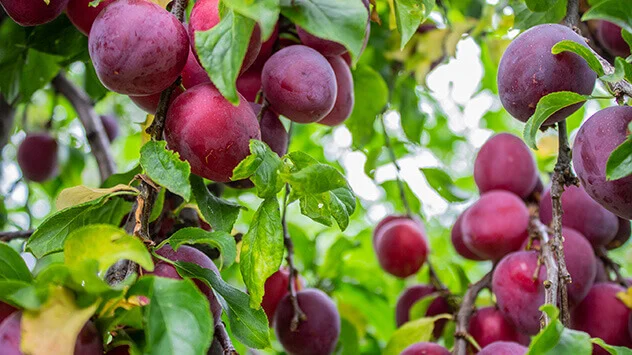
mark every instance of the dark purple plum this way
{"type": "Point", "coordinates": [609, 35]}
{"type": "Point", "coordinates": [6, 310]}
{"type": "Point", "coordinates": [503, 348]}
{"type": "Point", "coordinates": [273, 132]}
{"type": "Point", "coordinates": [528, 71]}
{"type": "Point", "coordinates": [622, 236]}
{"type": "Point", "coordinates": [595, 141]}
{"type": "Point", "coordinates": [601, 275]}
{"type": "Point", "coordinates": [456, 235]}
{"type": "Point", "coordinates": [249, 84]}
{"type": "Point", "coordinates": [488, 325]}
{"type": "Point", "coordinates": [33, 12]}
{"type": "Point", "coordinates": [276, 287]}
{"type": "Point", "coordinates": [410, 296]}
{"type": "Point", "coordinates": [505, 163]}
{"type": "Point", "coordinates": [318, 334]}
{"type": "Point", "coordinates": [401, 247]}
{"type": "Point", "coordinates": [82, 15]}
{"type": "Point", "coordinates": [425, 348]}
{"type": "Point", "coordinates": [37, 157]}
{"type": "Point", "coordinates": [345, 98]}
{"type": "Point", "coordinates": [137, 47]}
{"type": "Point", "coordinates": [111, 126]}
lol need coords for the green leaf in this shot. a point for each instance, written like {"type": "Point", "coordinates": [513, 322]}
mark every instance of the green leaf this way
{"type": "Point", "coordinates": [622, 71]}
{"type": "Point", "coordinates": [219, 213]}
{"type": "Point", "coordinates": [22, 294]}
{"type": "Point", "coordinates": [166, 169]}
{"type": "Point", "coordinates": [222, 49]}
{"type": "Point", "coordinates": [613, 350]}
{"type": "Point", "coordinates": [122, 178]}
{"type": "Point", "coordinates": [581, 50]}
{"type": "Point", "coordinates": [615, 11]}
{"type": "Point", "coordinates": [525, 18]}
{"type": "Point", "coordinates": [441, 182]}
{"type": "Point", "coordinates": [262, 249]}
{"type": "Point", "coordinates": [52, 233]}
{"type": "Point", "coordinates": [540, 5]}
{"type": "Point", "coordinates": [248, 325]}
{"type": "Point", "coordinates": [265, 12]}
{"type": "Point", "coordinates": [339, 21]}
{"type": "Point", "coordinates": [547, 106]}
{"type": "Point", "coordinates": [619, 163]}
{"type": "Point", "coordinates": [178, 317]}
{"type": "Point", "coordinates": [39, 69]}
{"type": "Point", "coordinates": [406, 101]}
{"type": "Point", "coordinates": [556, 339]}
{"type": "Point", "coordinates": [263, 166]}
{"type": "Point", "coordinates": [223, 241]}
{"type": "Point", "coordinates": [371, 97]}
{"type": "Point", "coordinates": [419, 308]}
{"type": "Point", "coordinates": [334, 259]}
{"type": "Point", "coordinates": [410, 14]}
{"type": "Point", "coordinates": [627, 36]}
{"type": "Point", "coordinates": [410, 333]}
{"type": "Point", "coordinates": [12, 266]}
{"type": "Point", "coordinates": [105, 244]}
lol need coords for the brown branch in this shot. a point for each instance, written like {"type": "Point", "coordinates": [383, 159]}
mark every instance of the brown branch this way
{"type": "Point", "coordinates": [465, 312]}
{"type": "Point", "coordinates": [8, 236]}
{"type": "Point", "coordinates": [299, 315]}
{"type": "Point", "coordinates": [95, 133]}
{"type": "Point", "coordinates": [572, 14]}
{"type": "Point", "coordinates": [224, 339]}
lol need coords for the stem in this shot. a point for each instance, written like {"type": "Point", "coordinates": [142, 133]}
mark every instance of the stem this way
{"type": "Point", "coordinates": [224, 339]}
{"type": "Point", "coordinates": [572, 14]}
{"type": "Point", "coordinates": [8, 236]}
{"type": "Point", "coordinates": [400, 183]}
{"type": "Point", "coordinates": [464, 314]}
{"type": "Point", "coordinates": [552, 283]}
{"type": "Point", "coordinates": [95, 133]}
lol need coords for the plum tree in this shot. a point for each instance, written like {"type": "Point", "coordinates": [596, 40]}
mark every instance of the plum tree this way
{"type": "Point", "coordinates": [519, 295]}
{"type": "Point", "coordinates": [410, 296]}
{"type": "Point", "coordinates": [300, 84]}
{"type": "Point", "coordinates": [583, 214]}
{"type": "Point", "coordinates": [345, 97]}
{"type": "Point", "coordinates": [37, 157]}
{"type": "Point", "coordinates": [318, 334]}
{"type": "Point", "coordinates": [190, 255]}
{"type": "Point", "coordinates": [82, 15]}
{"type": "Point", "coordinates": [33, 12]}
{"type": "Point", "coordinates": [209, 132]}
{"type": "Point", "coordinates": [456, 235]}
{"type": "Point", "coordinates": [622, 236]}
{"type": "Point", "coordinates": [425, 348]}
{"type": "Point", "coordinates": [249, 84]}
{"type": "Point", "coordinates": [609, 35]}
{"type": "Point", "coordinates": [110, 124]}
{"type": "Point", "coordinates": [150, 103]}
{"type": "Point", "coordinates": [193, 73]}
{"type": "Point", "coordinates": [205, 15]}
{"type": "Point", "coordinates": [6, 310]}
{"type": "Point", "coordinates": [505, 162]}
{"type": "Point", "coordinates": [88, 341]}
{"type": "Point", "coordinates": [602, 315]}
{"type": "Point", "coordinates": [595, 141]}
{"type": "Point", "coordinates": [488, 325]}
{"type": "Point", "coordinates": [504, 348]}
{"type": "Point", "coordinates": [137, 47]}
{"type": "Point", "coordinates": [495, 225]}
{"type": "Point", "coordinates": [401, 247]}
{"type": "Point", "coordinates": [528, 71]}
{"type": "Point", "coordinates": [276, 287]}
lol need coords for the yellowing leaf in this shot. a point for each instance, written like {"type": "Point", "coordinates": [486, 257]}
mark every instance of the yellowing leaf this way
{"type": "Point", "coordinates": [161, 3]}
{"type": "Point", "coordinates": [626, 297]}
{"type": "Point", "coordinates": [144, 136]}
{"type": "Point", "coordinates": [54, 328]}
{"type": "Point", "coordinates": [412, 332]}
{"type": "Point", "coordinates": [354, 316]}
{"type": "Point", "coordinates": [547, 146]}
{"type": "Point", "coordinates": [125, 303]}
{"type": "Point", "coordinates": [80, 194]}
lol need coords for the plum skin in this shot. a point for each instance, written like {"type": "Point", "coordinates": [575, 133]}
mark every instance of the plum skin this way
{"type": "Point", "coordinates": [505, 162]}
{"type": "Point", "coordinates": [276, 287]}
{"type": "Point", "coordinates": [488, 326]}
{"type": "Point", "coordinates": [345, 98]}
{"type": "Point", "coordinates": [209, 132]}
{"type": "Point", "coordinates": [504, 348]}
{"type": "Point", "coordinates": [249, 84]}
{"type": "Point", "coordinates": [401, 247]}
{"type": "Point", "coordinates": [137, 47]}
{"type": "Point", "coordinates": [193, 73]}
{"type": "Point", "coordinates": [495, 225]}
{"type": "Point", "coordinates": [82, 15]}
{"type": "Point", "coordinates": [37, 157]}
{"type": "Point", "coordinates": [33, 12]}
{"type": "Point", "coordinates": [410, 296]}
{"type": "Point", "coordinates": [528, 71]}
{"type": "Point", "coordinates": [300, 84]}
{"type": "Point", "coordinates": [609, 35]}
{"type": "Point", "coordinates": [583, 214]}
{"type": "Point", "coordinates": [425, 348]}
{"type": "Point", "coordinates": [622, 236]}
{"type": "Point", "coordinates": [596, 139]}
{"type": "Point", "coordinates": [150, 103]}
{"type": "Point", "coordinates": [318, 334]}
{"type": "Point", "coordinates": [456, 236]}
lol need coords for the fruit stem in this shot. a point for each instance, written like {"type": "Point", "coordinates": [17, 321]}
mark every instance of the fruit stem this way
{"type": "Point", "coordinates": [224, 339]}
{"type": "Point", "coordinates": [400, 183]}
{"type": "Point", "coordinates": [461, 335]}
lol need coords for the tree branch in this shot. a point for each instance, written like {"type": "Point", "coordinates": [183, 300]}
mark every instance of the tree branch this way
{"type": "Point", "coordinates": [8, 236]}
{"type": "Point", "coordinates": [224, 339]}
{"type": "Point", "coordinates": [95, 133]}
{"type": "Point", "coordinates": [572, 14]}
{"type": "Point", "coordinates": [461, 334]}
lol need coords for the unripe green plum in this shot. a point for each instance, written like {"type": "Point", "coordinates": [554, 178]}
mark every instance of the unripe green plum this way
{"type": "Point", "coordinates": [33, 12]}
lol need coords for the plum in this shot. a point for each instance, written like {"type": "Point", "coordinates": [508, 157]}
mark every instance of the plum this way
{"type": "Point", "coordinates": [595, 141]}
{"type": "Point", "coordinates": [456, 235]}
{"type": "Point", "coordinates": [110, 124]}
{"type": "Point", "coordinates": [410, 296]}
{"type": "Point", "coordinates": [193, 73]}
{"type": "Point", "coordinates": [6, 310]}
{"type": "Point", "coordinates": [503, 348]}
{"type": "Point", "coordinates": [267, 47]}
{"type": "Point", "coordinates": [345, 97]}
{"type": "Point", "coordinates": [249, 84]}
{"type": "Point", "coordinates": [583, 214]}
{"type": "Point", "coordinates": [495, 225]}
{"type": "Point", "coordinates": [528, 71]}
{"type": "Point", "coordinates": [209, 132]}
{"type": "Point", "coordinates": [37, 157]}
{"type": "Point", "coordinates": [150, 103]}
{"type": "Point", "coordinates": [82, 15]}
{"type": "Point", "coordinates": [401, 247]}
{"type": "Point", "coordinates": [33, 12]}
{"type": "Point", "coordinates": [601, 275]}
{"type": "Point", "coordinates": [488, 325]}
{"type": "Point", "coordinates": [505, 163]}
{"type": "Point", "coordinates": [609, 35]}
{"type": "Point", "coordinates": [622, 236]}
{"type": "Point", "coordinates": [276, 287]}
{"type": "Point", "coordinates": [425, 348]}
{"type": "Point", "coordinates": [318, 334]}
{"type": "Point", "coordinates": [137, 47]}
{"type": "Point", "coordinates": [300, 84]}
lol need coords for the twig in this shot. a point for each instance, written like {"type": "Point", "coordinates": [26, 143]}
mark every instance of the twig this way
{"type": "Point", "coordinates": [8, 236]}
{"type": "Point", "coordinates": [144, 204]}
{"type": "Point", "coordinates": [400, 183]}
{"type": "Point", "coordinates": [224, 339]}
{"type": "Point", "coordinates": [572, 14]}
{"type": "Point", "coordinates": [95, 133]}
{"type": "Point", "coordinates": [610, 264]}
{"type": "Point", "coordinates": [465, 313]}
{"type": "Point", "coordinates": [158, 125]}
{"type": "Point", "coordinates": [299, 315]}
